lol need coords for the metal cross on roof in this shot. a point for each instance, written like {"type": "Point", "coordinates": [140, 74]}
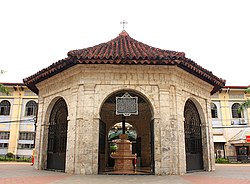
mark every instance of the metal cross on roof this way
{"type": "Point", "coordinates": [123, 25]}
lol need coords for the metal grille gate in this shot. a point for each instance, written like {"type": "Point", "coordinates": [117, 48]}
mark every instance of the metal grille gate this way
{"type": "Point", "coordinates": [57, 136]}
{"type": "Point", "coordinates": [193, 139]}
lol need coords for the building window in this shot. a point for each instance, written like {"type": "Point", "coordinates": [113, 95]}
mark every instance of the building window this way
{"type": "Point", "coordinates": [214, 111]}
{"type": "Point", "coordinates": [31, 108]}
{"type": "Point", "coordinates": [4, 135]}
{"type": "Point", "coordinates": [235, 113]}
{"type": "Point", "coordinates": [242, 150]}
{"type": "Point", "coordinates": [26, 136]}
{"type": "Point", "coordinates": [4, 145]}
{"type": "Point", "coordinates": [5, 108]}
{"type": "Point", "coordinates": [25, 146]}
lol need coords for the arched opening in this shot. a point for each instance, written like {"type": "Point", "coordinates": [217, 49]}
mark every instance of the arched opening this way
{"type": "Point", "coordinates": [113, 137]}
{"type": "Point", "coordinates": [193, 137]}
{"type": "Point", "coordinates": [31, 108]}
{"type": "Point", "coordinates": [139, 129]}
{"type": "Point", "coordinates": [5, 108]}
{"type": "Point", "coordinates": [57, 136]}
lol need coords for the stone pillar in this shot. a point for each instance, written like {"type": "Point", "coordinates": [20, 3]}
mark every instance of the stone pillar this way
{"type": "Point", "coordinates": [157, 146]}
{"type": "Point", "coordinates": [181, 165]}
{"type": "Point", "coordinates": [84, 133]}
{"type": "Point", "coordinates": [39, 135]}
{"type": "Point", "coordinates": [174, 127]}
{"type": "Point", "coordinates": [71, 132]}
{"type": "Point", "coordinates": [209, 165]}
{"type": "Point", "coordinates": [44, 145]}
{"type": "Point", "coordinates": [95, 145]}
{"type": "Point", "coordinates": [42, 136]}
{"type": "Point", "coordinates": [165, 134]}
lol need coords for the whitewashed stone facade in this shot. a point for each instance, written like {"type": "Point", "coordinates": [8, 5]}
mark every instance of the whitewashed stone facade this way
{"type": "Point", "coordinates": [86, 87]}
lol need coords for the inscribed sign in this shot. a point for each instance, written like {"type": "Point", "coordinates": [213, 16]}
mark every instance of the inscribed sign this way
{"type": "Point", "coordinates": [126, 105]}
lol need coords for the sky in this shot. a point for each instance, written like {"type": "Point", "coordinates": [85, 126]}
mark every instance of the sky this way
{"type": "Point", "coordinates": [213, 33]}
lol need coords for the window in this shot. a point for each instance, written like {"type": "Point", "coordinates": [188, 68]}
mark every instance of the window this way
{"type": "Point", "coordinates": [4, 135]}
{"type": "Point", "coordinates": [26, 136]}
{"type": "Point", "coordinates": [4, 145]}
{"type": "Point", "coordinates": [242, 150]}
{"type": "Point", "coordinates": [25, 146]}
{"type": "Point", "coordinates": [214, 111]}
{"type": "Point", "coordinates": [5, 108]}
{"type": "Point", "coordinates": [235, 113]}
{"type": "Point", "coordinates": [31, 108]}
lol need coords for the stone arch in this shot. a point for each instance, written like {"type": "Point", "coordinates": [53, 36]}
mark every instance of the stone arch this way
{"type": "Point", "coordinates": [193, 135]}
{"type": "Point", "coordinates": [45, 135]}
{"type": "Point", "coordinates": [144, 127]}
{"type": "Point", "coordinates": [199, 108]}
{"type": "Point", "coordinates": [51, 105]}
{"type": "Point", "coordinates": [57, 136]}
{"type": "Point", "coordinates": [111, 93]}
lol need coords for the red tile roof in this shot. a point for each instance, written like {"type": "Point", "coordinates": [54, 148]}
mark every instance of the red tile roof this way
{"type": "Point", "coordinates": [128, 51]}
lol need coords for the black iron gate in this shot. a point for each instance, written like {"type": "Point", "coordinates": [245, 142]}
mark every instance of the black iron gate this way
{"type": "Point", "coordinates": [193, 138]}
{"type": "Point", "coordinates": [152, 146]}
{"type": "Point", "coordinates": [57, 136]}
{"type": "Point", "coordinates": [102, 141]}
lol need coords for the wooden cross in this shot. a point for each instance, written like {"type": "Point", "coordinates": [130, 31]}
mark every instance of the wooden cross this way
{"type": "Point", "coordinates": [123, 25]}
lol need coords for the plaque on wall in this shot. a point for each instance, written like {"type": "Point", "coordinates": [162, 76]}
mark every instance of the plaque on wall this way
{"type": "Point", "coordinates": [126, 105]}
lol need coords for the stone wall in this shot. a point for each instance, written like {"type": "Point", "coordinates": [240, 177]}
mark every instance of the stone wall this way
{"type": "Point", "coordinates": [86, 87]}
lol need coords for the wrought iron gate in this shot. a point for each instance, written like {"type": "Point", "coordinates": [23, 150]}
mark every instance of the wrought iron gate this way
{"type": "Point", "coordinates": [102, 141]}
{"type": "Point", "coordinates": [152, 141]}
{"type": "Point", "coordinates": [193, 138]}
{"type": "Point", "coordinates": [57, 136]}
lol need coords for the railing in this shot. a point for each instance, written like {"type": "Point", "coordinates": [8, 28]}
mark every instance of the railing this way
{"type": "Point", "coordinates": [239, 158]}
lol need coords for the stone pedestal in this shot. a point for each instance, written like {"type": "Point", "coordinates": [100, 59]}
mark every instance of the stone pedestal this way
{"type": "Point", "coordinates": [123, 156]}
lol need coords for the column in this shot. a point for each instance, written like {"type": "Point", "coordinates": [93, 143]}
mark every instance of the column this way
{"type": "Point", "coordinates": [209, 163]}
{"type": "Point", "coordinates": [74, 95]}
{"type": "Point", "coordinates": [84, 132]}
{"type": "Point", "coordinates": [16, 110]}
{"type": "Point", "coordinates": [165, 131]}
{"type": "Point", "coordinates": [39, 135]}
{"type": "Point", "coordinates": [180, 141]}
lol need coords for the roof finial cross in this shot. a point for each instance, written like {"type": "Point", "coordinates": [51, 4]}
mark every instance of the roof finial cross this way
{"type": "Point", "coordinates": [123, 25]}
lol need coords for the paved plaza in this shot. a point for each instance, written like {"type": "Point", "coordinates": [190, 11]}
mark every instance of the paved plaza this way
{"type": "Point", "coordinates": [17, 173]}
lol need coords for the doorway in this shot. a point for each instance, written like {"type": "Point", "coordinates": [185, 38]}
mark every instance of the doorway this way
{"type": "Point", "coordinates": [193, 137]}
{"type": "Point", "coordinates": [139, 130]}
{"type": "Point", "coordinates": [57, 136]}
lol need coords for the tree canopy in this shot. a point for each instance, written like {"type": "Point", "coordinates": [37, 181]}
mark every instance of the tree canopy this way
{"type": "Point", "coordinates": [3, 89]}
{"type": "Point", "coordinates": [245, 104]}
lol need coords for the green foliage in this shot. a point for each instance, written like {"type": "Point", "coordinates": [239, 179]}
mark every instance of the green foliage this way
{"type": "Point", "coordinates": [221, 161]}
{"type": "Point", "coordinates": [9, 155]}
{"type": "Point", "coordinates": [245, 104]}
{"type": "Point", "coordinates": [9, 159]}
{"type": "Point", "coordinates": [113, 148]}
{"type": "Point", "coordinates": [247, 90]}
{"type": "Point", "coordinates": [3, 89]}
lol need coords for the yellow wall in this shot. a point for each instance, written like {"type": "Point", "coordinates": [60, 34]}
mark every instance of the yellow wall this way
{"type": "Point", "coordinates": [12, 123]}
{"type": "Point", "coordinates": [225, 103]}
{"type": "Point", "coordinates": [15, 118]}
{"type": "Point", "coordinates": [225, 109]}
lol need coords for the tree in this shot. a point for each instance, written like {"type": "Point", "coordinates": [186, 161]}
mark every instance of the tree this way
{"type": "Point", "coordinates": [245, 104]}
{"type": "Point", "coordinates": [3, 89]}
